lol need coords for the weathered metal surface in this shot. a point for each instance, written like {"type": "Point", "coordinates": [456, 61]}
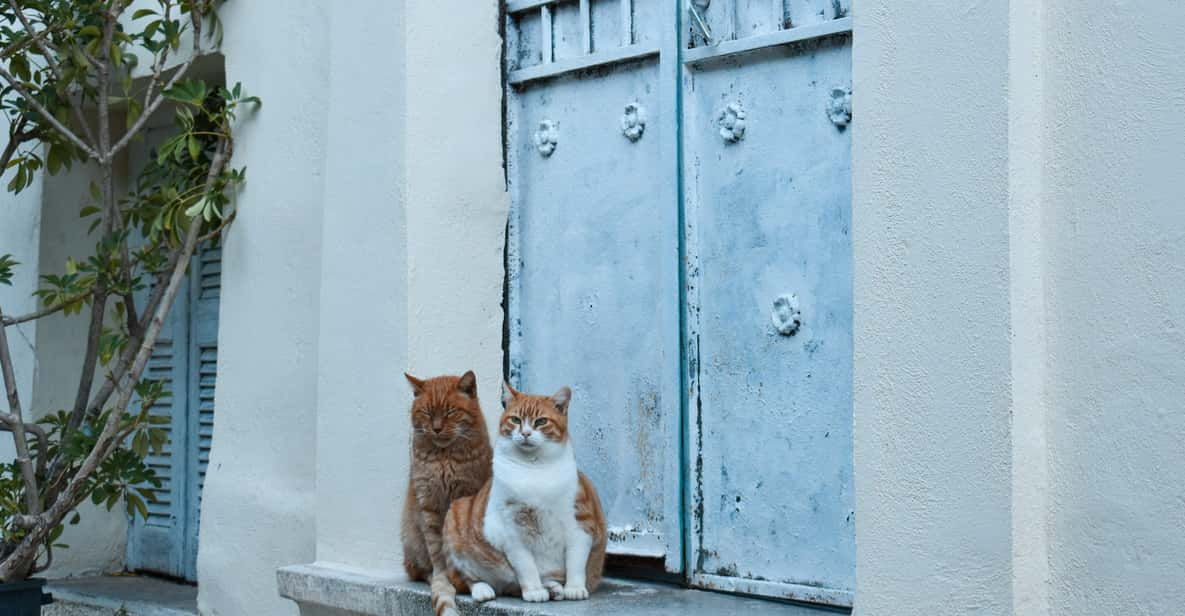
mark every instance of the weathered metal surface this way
{"type": "Point", "coordinates": [769, 412]}
{"type": "Point", "coordinates": [736, 158]}
{"type": "Point", "coordinates": [592, 253]}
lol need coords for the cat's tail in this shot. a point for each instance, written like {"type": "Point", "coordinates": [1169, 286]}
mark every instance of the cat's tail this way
{"type": "Point", "coordinates": [444, 596]}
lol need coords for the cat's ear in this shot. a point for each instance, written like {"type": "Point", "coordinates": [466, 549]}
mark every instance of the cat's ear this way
{"type": "Point", "coordinates": [508, 394]}
{"type": "Point", "coordinates": [468, 384]}
{"type": "Point", "coordinates": [417, 386]}
{"type": "Point", "coordinates": [561, 399]}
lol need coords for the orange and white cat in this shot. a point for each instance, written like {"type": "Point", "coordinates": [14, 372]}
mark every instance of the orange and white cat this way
{"type": "Point", "coordinates": [536, 529]}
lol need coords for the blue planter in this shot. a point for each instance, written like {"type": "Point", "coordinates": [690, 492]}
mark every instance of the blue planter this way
{"type": "Point", "coordinates": [23, 598]}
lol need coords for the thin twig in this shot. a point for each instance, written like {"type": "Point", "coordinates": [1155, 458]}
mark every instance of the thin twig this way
{"type": "Point", "coordinates": [150, 107]}
{"type": "Point", "coordinates": [48, 559]}
{"type": "Point", "coordinates": [219, 229]}
{"type": "Point", "coordinates": [26, 42]}
{"type": "Point", "coordinates": [54, 67]}
{"type": "Point", "coordinates": [44, 312]}
{"type": "Point", "coordinates": [15, 422]}
{"type": "Point", "coordinates": [49, 117]}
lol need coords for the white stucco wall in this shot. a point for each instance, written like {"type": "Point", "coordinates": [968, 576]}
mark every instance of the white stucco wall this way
{"type": "Point", "coordinates": [1019, 360]}
{"type": "Point", "coordinates": [1114, 224]}
{"type": "Point", "coordinates": [98, 543]}
{"type": "Point", "coordinates": [257, 506]}
{"type": "Point", "coordinates": [932, 375]}
{"type": "Point", "coordinates": [413, 236]}
{"type": "Point", "coordinates": [20, 236]}
{"type": "Point", "coordinates": [363, 344]}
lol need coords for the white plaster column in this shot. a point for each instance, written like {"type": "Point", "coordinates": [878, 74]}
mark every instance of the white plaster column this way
{"type": "Point", "coordinates": [361, 438]}
{"type": "Point", "coordinates": [413, 237]}
{"type": "Point", "coordinates": [932, 372]}
{"type": "Point", "coordinates": [1115, 277]}
{"type": "Point", "coordinates": [258, 501]}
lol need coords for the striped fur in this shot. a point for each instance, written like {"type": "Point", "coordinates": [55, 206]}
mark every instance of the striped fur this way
{"type": "Point", "coordinates": [450, 458]}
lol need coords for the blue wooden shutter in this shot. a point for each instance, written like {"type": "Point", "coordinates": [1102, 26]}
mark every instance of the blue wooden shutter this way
{"type": "Point", "coordinates": [203, 342]}
{"type": "Point", "coordinates": [186, 359]}
{"type": "Point", "coordinates": [154, 543]}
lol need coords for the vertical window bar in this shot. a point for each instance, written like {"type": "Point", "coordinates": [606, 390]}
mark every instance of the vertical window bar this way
{"type": "Point", "coordinates": [586, 26]}
{"type": "Point", "coordinates": [545, 24]}
{"type": "Point", "coordinates": [730, 20]}
{"type": "Point", "coordinates": [627, 23]}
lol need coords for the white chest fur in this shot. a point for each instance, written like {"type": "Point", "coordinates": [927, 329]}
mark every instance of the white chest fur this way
{"type": "Point", "coordinates": [532, 504]}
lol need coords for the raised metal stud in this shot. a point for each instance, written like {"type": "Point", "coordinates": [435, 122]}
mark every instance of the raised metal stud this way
{"type": "Point", "coordinates": [633, 121]}
{"type": "Point", "coordinates": [547, 137]}
{"type": "Point", "coordinates": [731, 120]}
{"type": "Point", "coordinates": [839, 107]}
{"type": "Point", "coordinates": [786, 316]}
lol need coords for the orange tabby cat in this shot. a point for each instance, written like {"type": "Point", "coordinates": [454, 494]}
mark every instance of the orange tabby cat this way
{"type": "Point", "coordinates": [450, 459]}
{"type": "Point", "coordinates": [536, 529]}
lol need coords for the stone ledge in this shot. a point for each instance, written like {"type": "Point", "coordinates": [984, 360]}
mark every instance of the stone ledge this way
{"type": "Point", "coordinates": [105, 595]}
{"type": "Point", "coordinates": [340, 589]}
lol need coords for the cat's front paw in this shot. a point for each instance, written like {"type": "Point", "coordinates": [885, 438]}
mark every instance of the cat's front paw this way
{"type": "Point", "coordinates": [536, 595]}
{"type": "Point", "coordinates": [555, 589]}
{"type": "Point", "coordinates": [482, 592]}
{"type": "Point", "coordinates": [575, 593]}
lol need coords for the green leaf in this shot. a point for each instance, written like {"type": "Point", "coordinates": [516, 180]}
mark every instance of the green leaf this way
{"type": "Point", "coordinates": [89, 210]}
{"type": "Point", "coordinates": [136, 503]}
{"type": "Point", "coordinates": [195, 148]}
{"type": "Point", "coordinates": [92, 31]}
{"type": "Point", "coordinates": [140, 444]}
{"type": "Point", "coordinates": [196, 209]}
{"type": "Point", "coordinates": [143, 13]}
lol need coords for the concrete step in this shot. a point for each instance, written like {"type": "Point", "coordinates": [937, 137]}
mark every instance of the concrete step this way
{"type": "Point", "coordinates": [120, 595]}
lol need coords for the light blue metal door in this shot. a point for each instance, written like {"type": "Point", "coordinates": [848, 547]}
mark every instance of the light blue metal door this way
{"type": "Point", "coordinates": [186, 359]}
{"type": "Point", "coordinates": [678, 252]}
{"type": "Point", "coordinates": [767, 205]}
{"type": "Point", "coordinates": [593, 257]}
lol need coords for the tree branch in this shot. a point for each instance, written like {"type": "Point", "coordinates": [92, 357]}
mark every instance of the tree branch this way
{"type": "Point", "coordinates": [219, 229]}
{"type": "Point", "coordinates": [54, 67]}
{"type": "Point", "coordinates": [14, 421]}
{"type": "Point", "coordinates": [48, 559]}
{"type": "Point", "coordinates": [16, 136]}
{"type": "Point", "coordinates": [150, 107]}
{"type": "Point", "coordinates": [44, 312]}
{"type": "Point", "coordinates": [49, 117]}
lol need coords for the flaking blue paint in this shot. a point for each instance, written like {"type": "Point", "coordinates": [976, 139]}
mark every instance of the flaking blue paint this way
{"type": "Point", "coordinates": [761, 213]}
